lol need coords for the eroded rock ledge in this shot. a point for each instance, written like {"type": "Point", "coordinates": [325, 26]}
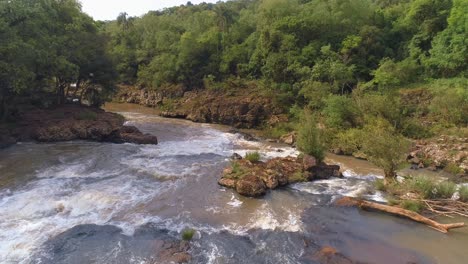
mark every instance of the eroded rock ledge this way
{"type": "Point", "coordinates": [72, 122]}
{"type": "Point", "coordinates": [254, 179]}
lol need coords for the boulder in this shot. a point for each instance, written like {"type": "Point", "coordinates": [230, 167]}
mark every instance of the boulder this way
{"type": "Point", "coordinates": [289, 138]}
{"type": "Point", "coordinates": [236, 156]}
{"type": "Point", "coordinates": [226, 182]}
{"type": "Point", "coordinates": [270, 178]}
{"type": "Point", "coordinates": [324, 171]}
{"type": "Point", "coordinates": [308, 162]}
{"type": "Point", "coordinates": [251, 186]}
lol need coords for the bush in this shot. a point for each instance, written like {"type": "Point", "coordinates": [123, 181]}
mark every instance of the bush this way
{"type": "Point", "coordinates": [310, 138]}
{"type": "Point", "coordinates": [349, 141]}
{"type": "Point", "coordinates": [188, 234]}
{"type": "Point", "coordinates": [379, 185]}
{"type": "Point", "coordinates": [414, 206]}
{"type": "Point", "coordinates": [445, 189]}
{"type": "Point", "coordinates": [463, 193]}
{"type": "Point", "coordinates": [384, 147]}
{"type": "Point", "coordinates": [424, 186]}
{"type": "Point", "coordinates": [341, 112]}
{"type": "Point", "coordinates": [252, 156]}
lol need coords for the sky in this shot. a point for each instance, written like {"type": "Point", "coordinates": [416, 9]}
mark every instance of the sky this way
{"type": "Point", "coordinates": [110, 9]}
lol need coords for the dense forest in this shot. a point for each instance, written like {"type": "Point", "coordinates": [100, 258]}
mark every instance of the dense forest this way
{"type": "Point", "coordinates": [360, 68]}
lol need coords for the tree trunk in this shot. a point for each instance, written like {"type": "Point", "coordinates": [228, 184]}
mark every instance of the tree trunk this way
{"type": "Point", "coordinates": [444, 228]}
{"type": "Point", "coordinates": [390, 176]}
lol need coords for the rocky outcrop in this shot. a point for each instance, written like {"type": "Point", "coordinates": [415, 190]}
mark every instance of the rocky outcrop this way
{"type": "Point", "coordinates": [74, 122]}
{"type": "Point", "coordinates": [254, 179]}
{"type": "Point", "coordinates": [445, 152]}
{"type": "Point", "coordinates": [240, 108]}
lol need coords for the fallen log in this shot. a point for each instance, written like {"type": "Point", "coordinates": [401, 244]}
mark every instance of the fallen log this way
{"type": "Point", "coordinates": [444, 228]}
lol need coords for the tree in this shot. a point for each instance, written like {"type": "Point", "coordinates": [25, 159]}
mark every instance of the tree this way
{"type": "Point", "coordinates": [384, 147]}
{"type": "Point", "coordinates": [310, 138]}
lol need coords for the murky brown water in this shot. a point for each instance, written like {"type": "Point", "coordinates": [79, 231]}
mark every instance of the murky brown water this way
{"type": "Point", "coordinates": [47, 189]}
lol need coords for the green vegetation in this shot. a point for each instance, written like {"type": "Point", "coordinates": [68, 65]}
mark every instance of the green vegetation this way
{"type": "Point", "coordinates": [253, 156]}
{"type": "Point", "coordinates": [463, 193]}
{"type": "Point", "coordinates": [45, 46]}
{"type": "Point", "coordinates": [354, 75]}
{"type": "Point", "coordinates": [310, 138]}
{"type": "Point", "coordinates": [445, 190]}
{"type": "Point", "coordinates": [237, 171]}
{"type": "Point", "coordinates": [298, 177]}
{"type": "Point", "coordinates": [188, 234]}
{"type": "Point", "coordinates": [414, 206]}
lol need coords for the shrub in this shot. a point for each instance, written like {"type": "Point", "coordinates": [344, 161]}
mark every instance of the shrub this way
{"type": "Point", "coordinates": [463, 193]}
{"type": "Point", "coordinates": [379, 185]}
{"type": "Point", "coordinates": [453, 168]}
{"type": "Point", "coordinates": [384, 147]}
{"type": "Point", "coordinates": [188, 234]}
{"type": "Point", "coordinates": [349, 141]}
{"type": "Point", "coordinates": [237, 170]}
{"type": "Point", "coordinates": [310, 138]}
{"type": "Point", "coordinates": [445, 189]}
{"type": "Point", "coordinates": [252, 156]}
{"type": "Point", "coordinates": [341, 112]}
{"type": "Point", "coordinates": [414, 206]}
{"type": "Point", "coordinates": [424, 186]}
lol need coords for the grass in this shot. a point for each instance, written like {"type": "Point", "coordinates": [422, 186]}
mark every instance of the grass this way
{"type": "Point", "coordinates": [253, 156]}
{"type": "Point", "coordinates": [298, 177]}
{"type": "Point", "coordinates": [237, 171]}
{"type": "Point", "coordinates": [424, 186]}
{"type": "Point", "coordinates": [379, 185]}
{"type": "Point", "coordinates": [463, 193]}
{"type": "Point", "coordinates": [445, 190]}
{"type": "Point", "coordinates": [453, 168]}
{"type": "Point", "coordinates": [414, 206]}
{"type": "Point", "coordinates": [188, 234]}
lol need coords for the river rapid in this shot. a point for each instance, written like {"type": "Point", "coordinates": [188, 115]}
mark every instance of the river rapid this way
{"type": "Point", "coordinates": [86, 202]}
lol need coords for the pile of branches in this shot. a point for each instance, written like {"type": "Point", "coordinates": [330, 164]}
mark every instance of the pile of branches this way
{"type": "Point", "coordinates": [445, 207]}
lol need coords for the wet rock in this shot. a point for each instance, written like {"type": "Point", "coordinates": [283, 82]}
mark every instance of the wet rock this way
{"type": "Point", "coordinates": [173, 114]}
{"type": "Point", "coordinates": [131, 134]}
{"type": "Point", "coordinates": [254, 179]}
{"type": "Point", "coordinates": [289, 138]}
{"type": "Point", "coordinates": [329, 255]}
{"type": "Point", "coordinates": [270, 178]}
{"type": "Point", "coordinates": [251, 186]}
{"type": "Point", "coordinates": [308, 162]}
{"type": "Point", "coordinates": [324, 171]}
{"type": "Point", "coordinates": [226, 182]}
{"type": "Point", "coordinates": [236, 156]}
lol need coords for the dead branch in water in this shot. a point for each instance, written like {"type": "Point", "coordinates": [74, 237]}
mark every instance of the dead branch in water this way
{"type": "Point", "coordinates": [444, 228]}
{"type": "Point", "coordinates": [446, 207]}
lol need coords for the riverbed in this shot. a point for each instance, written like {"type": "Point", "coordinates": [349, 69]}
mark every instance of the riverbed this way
{"type": "Point", "coordinates": [126, 193]}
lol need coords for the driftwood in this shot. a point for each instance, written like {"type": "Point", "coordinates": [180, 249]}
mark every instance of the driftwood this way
{"type": "Point", "coordinates": [444, 228]}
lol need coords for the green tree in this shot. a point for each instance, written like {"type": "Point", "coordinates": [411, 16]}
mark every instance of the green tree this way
{"type": "Point", "coordinates": [384, 147]}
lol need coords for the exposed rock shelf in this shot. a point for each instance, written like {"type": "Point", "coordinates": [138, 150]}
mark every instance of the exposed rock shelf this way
{"type": "Point", "coordinates": [255, 178]}
{"type": "Point", "coordinates": [242, 108]}
{"type": "Point", "coordinates": [72, 122]}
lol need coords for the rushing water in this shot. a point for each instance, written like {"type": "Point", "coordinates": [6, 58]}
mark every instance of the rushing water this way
{"type": "Point", "coordinates": [83, 202]}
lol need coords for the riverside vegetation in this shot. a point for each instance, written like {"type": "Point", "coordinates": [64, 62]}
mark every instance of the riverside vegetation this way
{"type": "Point", "coordinates": [371, 78]}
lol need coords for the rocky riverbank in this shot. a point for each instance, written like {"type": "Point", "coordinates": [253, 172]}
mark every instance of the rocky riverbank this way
{"type": "Point", "coordinates": [253, 179]}
{"type": "Point", "coordinates": [240, 108]}
{"type": "Point", "coordinates": [71, 122]}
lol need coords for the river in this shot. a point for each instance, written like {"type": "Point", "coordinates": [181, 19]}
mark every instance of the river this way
{"type": "Point", "coordinates": [87, 202]}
